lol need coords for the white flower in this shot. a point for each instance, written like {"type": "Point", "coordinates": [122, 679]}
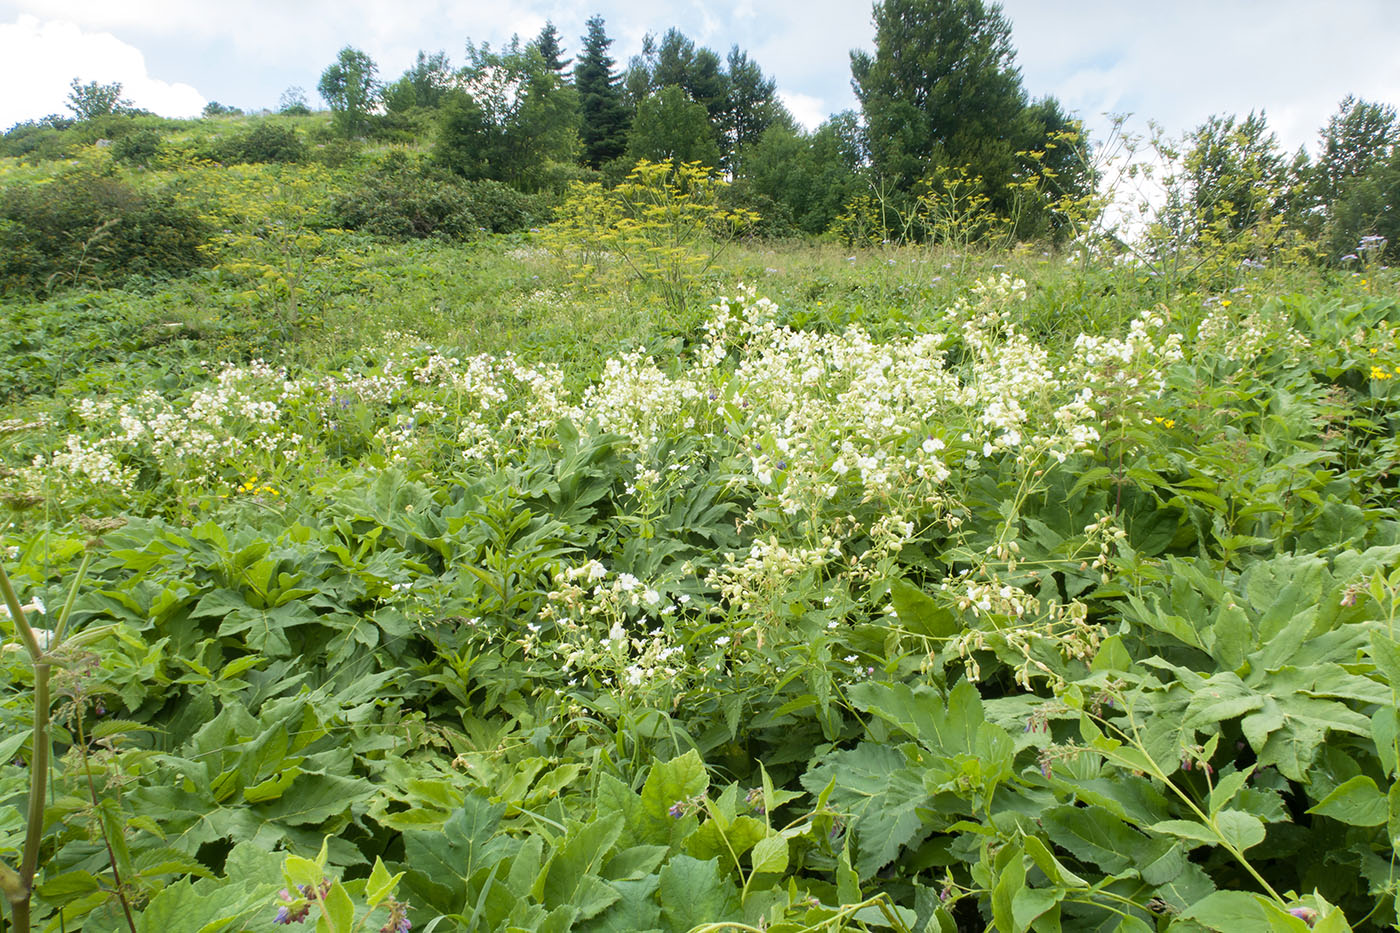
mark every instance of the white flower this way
{"type": "Point", "coordinates": [722, 640]}
{"type": "Point", "coordinates": [651, 597]}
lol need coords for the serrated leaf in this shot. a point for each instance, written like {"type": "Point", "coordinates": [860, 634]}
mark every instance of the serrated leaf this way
{"type": "Point", "coordinates": [876, 786]}
{"type": "Point", "coordinates": [694, 892]}
{"type": "Point", "coordinates": [771, 855]}
{"type": "Point", "coordinates": [668, 783]}
{"type": "Point", "coordinates": [1092, 834]}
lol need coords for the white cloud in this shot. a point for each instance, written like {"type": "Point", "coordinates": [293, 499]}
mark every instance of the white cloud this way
{"type": "Point", "coordinates": [39, 59]}
{"type": "Point", "coordinates": [1181, 63]}
{"type": "Point", "coordinates": [809, 111]}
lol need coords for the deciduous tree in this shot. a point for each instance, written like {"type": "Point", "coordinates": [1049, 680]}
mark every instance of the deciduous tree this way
{"type": "Point", "coordinates": [348, 87]}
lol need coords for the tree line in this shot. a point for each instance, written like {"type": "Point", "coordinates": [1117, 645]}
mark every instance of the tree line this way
{"type": "Point", "coordinates": [947, 142]}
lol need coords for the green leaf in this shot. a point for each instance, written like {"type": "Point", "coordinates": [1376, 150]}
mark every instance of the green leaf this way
{"type": "Point", "coordinates": [380, 884]}
{"type": "Point", "coordinates": [340, 910]}
{"type": "Point", "coordinates": [1229, 912]}
{"type": "Point", "coordinates": [920, 612]}
{"type": "Point", "coordinates": [715, 839]}
{"type": "Point", "coordinates": [634, 910]}
{"type": "Point", "coordinates": [300, 871]}
{"type": "Point", "coordinates": [576, 860]}
{"type": "Point", "coordinates": [694, 892]}
{"type": "Point", "coordinates": [876, 785]}
{"type": "Point", "coordinates": [1095, 835]}
{"type": "Point", "coordinates": [1045, 860]}
{"type": "Point", "coordinates": [1356, 802]}
{"type": "Point", "coordinates": [667, 783]}
{"type": "Point", "coordinates": [1012, 880]}
{"type": "Point", "coordinates": [1242, 830]}
{"type": "Point", "coordinates": [771, 855]}
{"type": "Point", "coordinates": [1226, 788]}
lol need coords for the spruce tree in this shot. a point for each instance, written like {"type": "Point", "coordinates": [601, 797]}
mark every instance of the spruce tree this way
{"type": "Point", "coordinates": [605, 117]}
{"type": "Point", "coordinates": [547, 42]}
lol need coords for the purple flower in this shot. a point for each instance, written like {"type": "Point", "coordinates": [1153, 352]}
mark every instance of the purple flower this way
{"type": "Point", "coordinates": [1305, 914]}
{"type": "Point", "coordinates": [677, 810]}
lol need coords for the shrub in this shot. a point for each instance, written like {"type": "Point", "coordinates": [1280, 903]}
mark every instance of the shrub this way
{"type": "Point", "coordinates": [37, 141]}
{"type": "Point", "coordinates": [267, 142]}
{"type": "Point", "coordinates": [86, 227]}
{"type": "Point", "coordinates": [501, 209]}
{"type": "Point", "coordinates": [137, 148]}
{"type": "Point", "coordinates": [407, 201]}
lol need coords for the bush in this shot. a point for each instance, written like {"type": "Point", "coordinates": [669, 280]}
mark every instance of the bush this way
{"type": "Point", "coordinates": [137, 148]}
{"type": "Point", "coordinates": [499, 208]}
{"type": "Point", "coordinates": [37, 141]}
{"type": "Point", "coordinates": [406, 201]}
{"type": "Point", "coordinates": [88, 228]}
{"type": "Point", "coordinates": [267, 142]}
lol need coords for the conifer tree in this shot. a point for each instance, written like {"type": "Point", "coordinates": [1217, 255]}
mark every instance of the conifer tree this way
{"type": "Point", "coordinates": [547, 42]}
{"type": "Point", "coordinates": [605, 118]}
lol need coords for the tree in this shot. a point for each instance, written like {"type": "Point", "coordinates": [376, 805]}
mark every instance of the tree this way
{"type": "Point", "coordinates": [604, 119]}
{"type": "Point", "coordinates": [547, 44]}
{"type": "Point", "coordinates": [811, 176]}
{"type": "Point", "coordinates": [1235, 173]}
{"type": "Point", "coordinates": [293, 101]}
{"type": "Point", "coordinates": [1359, 136]}
{"type": "Point", "coordinates": [424, 85]}
{"type": "Point", "coordinates": [348, 87]}
{"type": "Point", "coordinates": [941, 90]}
{"type": "Point", "coordinates": [672, 127]}
{"type": "Point", "coordinates": [1365, 219]}
{"type": "Point", "coordinates": [513, 117]}
{"type": "Point", "coordinates": [91, 100]}
{"type": "Point", "coordinates": [216, 109]}
{"type": "Point", "coordinates": [751, 107]}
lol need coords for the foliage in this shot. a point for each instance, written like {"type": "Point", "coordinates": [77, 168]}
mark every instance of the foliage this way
{"type": "Point", "coordinates": [265, 142]}
{"type": "Point", "coordinates": [547, 44]}
{"type": "Point", "coordinates": [603, 117]}
{"type": "Point", "coordinates": [942, 93]}
{"type": "Point", "coordinates": [348, 86]}
{"type": "Point", "coordinates": [293, 102]}
{"type": "Point", "coordinates": [403, 201]}
{"type": "Point", "coordinates": [459, 589]}
{"type": "Point", "coordinates": [85, 226]}
{"type": "Point", "coordinates": [514, 117]}
{"type": "Point", "coordinates": [670, 126]}
{"type": "Point", "coordinates": [424, 85]}
{"type": "Point", "coordinates": [216, 109]}
{"type": "Point", "coordinates": [665, 225]}
{"type": "Point", "coordinates": [138, 148]}
{"type": "Point", "coordinates": [92, 100]}
{"type": "Point", "coordinates": [1358, 137]}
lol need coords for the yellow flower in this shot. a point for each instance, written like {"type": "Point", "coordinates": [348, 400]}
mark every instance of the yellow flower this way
{"type": "Point", "coordinates": [1225, 303]}
{"type": "Point", "coordinates": [1378, 373]}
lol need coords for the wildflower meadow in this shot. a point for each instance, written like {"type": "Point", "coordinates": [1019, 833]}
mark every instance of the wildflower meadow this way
{"type": "Point", "coordinates": [636, 572]}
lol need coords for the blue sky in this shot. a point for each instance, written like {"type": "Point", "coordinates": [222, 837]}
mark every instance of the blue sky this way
{"type": "Point", "coordinates": [1293, 58]}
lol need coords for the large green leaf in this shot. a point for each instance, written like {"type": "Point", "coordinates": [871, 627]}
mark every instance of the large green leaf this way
{"type": "Point", "coordinates": [880, 790]}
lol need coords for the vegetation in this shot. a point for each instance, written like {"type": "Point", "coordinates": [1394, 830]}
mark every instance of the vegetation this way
{"type": "Point", "coordinates": [423, 517]}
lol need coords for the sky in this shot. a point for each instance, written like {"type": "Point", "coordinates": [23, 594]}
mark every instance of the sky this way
{"type": "Point", "coordinates": [1294, 59]}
